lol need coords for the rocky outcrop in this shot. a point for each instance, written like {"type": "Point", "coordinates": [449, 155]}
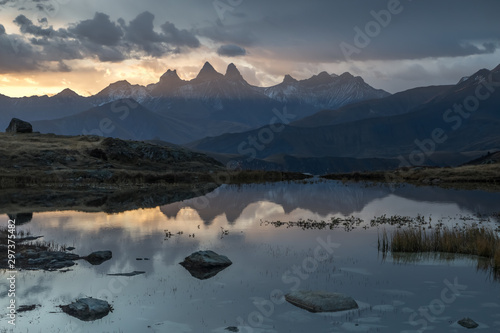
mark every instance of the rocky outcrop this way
{"type": "Point", "coordinates": [88, 309]}
{"type": "Point", "coordinates": [321, 301]}
{"type": "Point", "coordinates": [98, 257]}
{"type": "Point", "coordinates": [205, 264]}
{"type": "Point", "coordinates": [34, 259]}
{"type": "Point", "coordinates": [26, 308]}
{"type": "Point", "coordinates": [31, 257]}
{"type": "Point", "coordinates": [19, 126]}
{"type": "Point", "coordinates": [467, 323]}
{"type": "Point", "coordinates": [134, 273]}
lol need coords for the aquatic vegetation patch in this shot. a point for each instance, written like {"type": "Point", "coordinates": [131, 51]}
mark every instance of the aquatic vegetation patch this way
{"type": "Point", "coordinates": [467, 240]}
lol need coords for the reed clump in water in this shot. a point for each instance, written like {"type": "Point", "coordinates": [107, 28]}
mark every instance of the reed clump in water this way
{"type": "Point", "coordinates": [468, 240]}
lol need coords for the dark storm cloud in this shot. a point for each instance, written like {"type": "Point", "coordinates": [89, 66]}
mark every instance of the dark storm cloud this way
{"type": "Point", "coordinates": [62, 49]}
{"type": "Point", "coordinates": [105, 53]}
{"type": "Point", "coordinates": [27, 27]}
{"type": "Point", "coordinates": [99, 30]}
{"type": "Point", "coordinates": [140, 32]}
{"type": "Point", "coordinates": [177, 37]}
{"type": "Point", "coordinates": [313, 31]}
{"type": "Point", "coordinates": [231, 50]}
{"type": "Point", "coordinates": [98, 38]}
{"type": "Point", "coordinates": [141, 29]}
{"type": "Point", "coordinates": [16, 55]}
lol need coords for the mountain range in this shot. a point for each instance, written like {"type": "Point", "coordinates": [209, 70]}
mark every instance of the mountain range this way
{"type": "Point", "coordinates": [423, 126]}
{"type": "Point", "coordinates": [327, 123]}
{"type": "Point", "coordinates": [181, 111]}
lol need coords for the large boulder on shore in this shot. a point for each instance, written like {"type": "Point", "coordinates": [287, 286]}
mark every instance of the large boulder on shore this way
{"type": "Point", "coordinates": [321, 301]}
{"type": "Point", "coordinates": [19, 126]}
{"type": "Point", "coordinates": [205, 264]}
{"type": "Point", "coordinates": [88, 309]}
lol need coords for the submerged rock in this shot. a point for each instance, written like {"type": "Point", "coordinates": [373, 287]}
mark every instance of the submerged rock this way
{"type": "Point", "coordinates": [19, 126]}
{"type": "Point", "coordinates": [205, 264]}
{"type": "Point", "coordinates": [47, 260]}
{"type": "Point", "coordinates": [98, 257]}
{"type": "Point", "coordinates": [321, 301]}
{"type": "Point", "coordinates": [467, 323]}
{"type": "Point", "coordinates": [35, 258]}
{"type": "Point", "coordinates": [128, 274]}
{"type": "Point", "coordinates": [88, 309]}
{"type": "Point", "coordinates": [25, 308]}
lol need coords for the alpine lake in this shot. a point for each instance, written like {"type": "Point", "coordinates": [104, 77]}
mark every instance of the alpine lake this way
{"type": "Point", "coordinates": [274, 235]}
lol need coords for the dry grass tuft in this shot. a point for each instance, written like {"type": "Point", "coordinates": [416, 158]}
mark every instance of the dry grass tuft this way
{"type": "Point", "coordinates": [468, 240]}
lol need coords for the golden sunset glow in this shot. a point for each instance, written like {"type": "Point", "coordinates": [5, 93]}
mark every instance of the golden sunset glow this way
{"type": "Point", "coordinates": [48, 47]}
{"type": "Point", "coordinates": [88, 77]}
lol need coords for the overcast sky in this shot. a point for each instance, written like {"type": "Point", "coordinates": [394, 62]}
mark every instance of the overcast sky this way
{"type": "Point", "coordinates": [48, 45]}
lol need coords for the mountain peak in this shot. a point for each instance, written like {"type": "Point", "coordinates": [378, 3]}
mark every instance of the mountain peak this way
{"type": "Point", "coordinates": [67, 93]}
{"type": "Point", "coordinates": [496, 69]}
{"type": "Point", "coordinates": [168, 83]}
{"type": "Point", "coordinates": [170, 76]}
{"type": "Point", "coordinates": [208, 66]}
{"type": "Point", "coordinates": [289, 79]}
{"type": "Point", "coordinates": [346, 75]}
{"type": "Point", "coordinates": [324, 75]}
{"type": "Point", "coordinates": [233, 73]}
{"type": "Point", "coordinates": [320, 79]}
{"type": "Point", "coordinates": [208, 73]}
{"type": "Point", "coordinates": [121, 89]}
{"type": "Point", "coordinates": [120, 84]}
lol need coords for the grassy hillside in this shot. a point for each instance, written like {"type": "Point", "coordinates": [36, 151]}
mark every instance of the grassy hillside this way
{"type": "Point", "coordinates": [31, 160]}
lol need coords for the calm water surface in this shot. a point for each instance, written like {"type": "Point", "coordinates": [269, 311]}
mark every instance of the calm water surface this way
{"type": "Point", "coordinates": [428, 295]}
